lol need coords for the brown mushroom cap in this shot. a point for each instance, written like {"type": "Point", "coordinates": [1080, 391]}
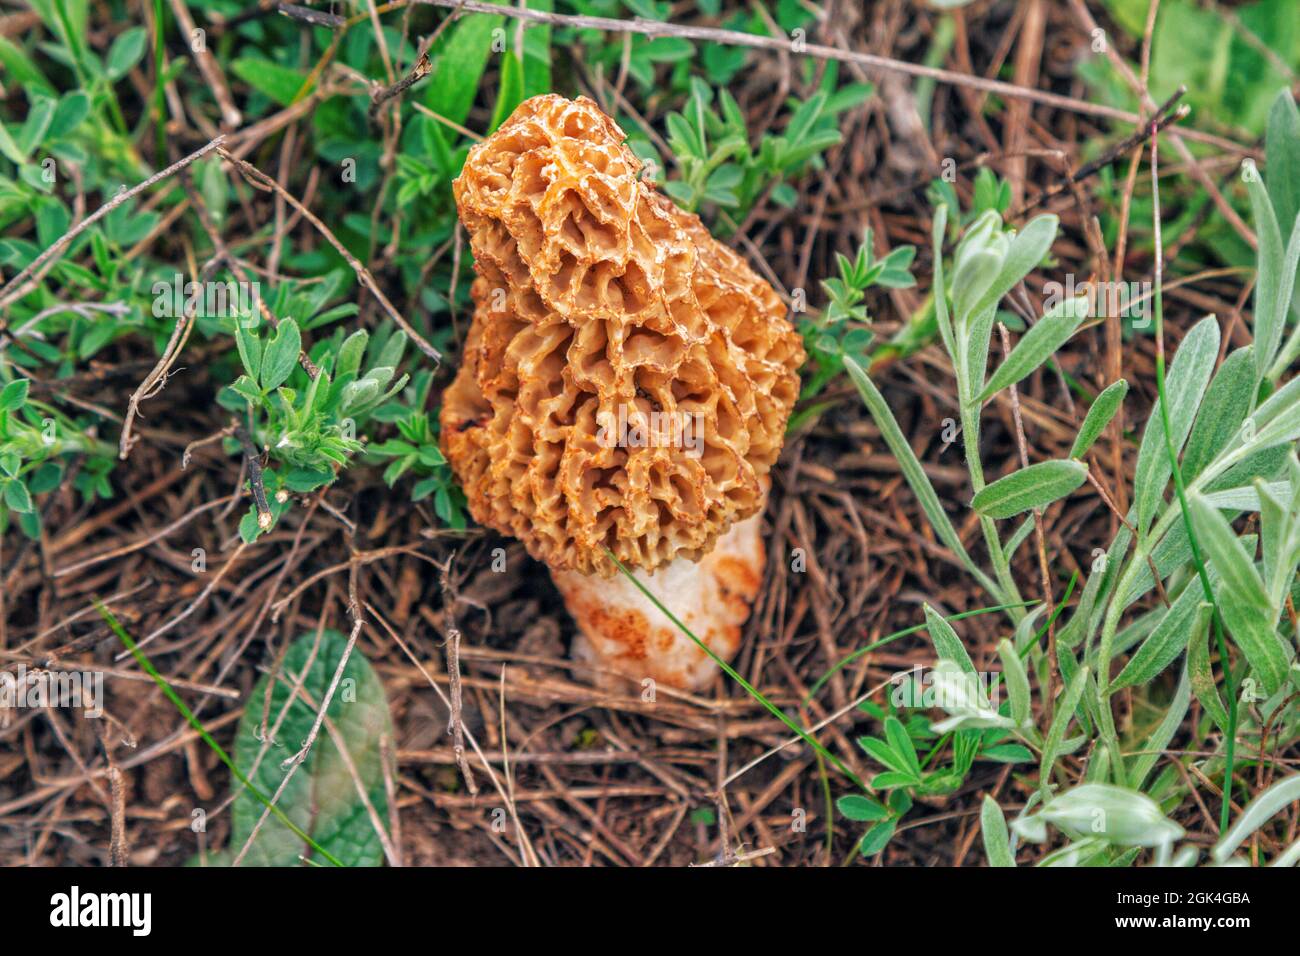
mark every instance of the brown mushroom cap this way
{"type": "Point", "coordinates": [600, 302]}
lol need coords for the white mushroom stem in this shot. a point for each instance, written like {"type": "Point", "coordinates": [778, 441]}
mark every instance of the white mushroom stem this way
{"type": "Point", "coordinates": [621, 630]}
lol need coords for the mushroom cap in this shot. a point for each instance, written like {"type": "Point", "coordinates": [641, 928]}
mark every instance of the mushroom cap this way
{"type": "Point", "coordinates": [627, 379]}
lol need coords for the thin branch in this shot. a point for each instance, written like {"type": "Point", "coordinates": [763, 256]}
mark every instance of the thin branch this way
{"type": "Point", "coordinates": [13, 288]}
{"type": "Point", "coordinates": [657, 28]}
{"type": "Point", "coordinates": [260, 180]}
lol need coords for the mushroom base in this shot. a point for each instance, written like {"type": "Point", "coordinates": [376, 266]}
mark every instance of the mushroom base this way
{"type": "Point", "coordinates": [629, 639]}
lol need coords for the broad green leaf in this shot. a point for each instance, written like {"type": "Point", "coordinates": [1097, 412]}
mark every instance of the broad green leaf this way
{"type": "Point", "coordinates": [25, 73]}
{"type": "Point", "coordinates": [322, 797]}
{"type": "Point", "coordinates": [460, 65]}
{"type": "Point", "coordinates": [33, 133]}
{"type": "Point", "coordinates": [1184, 621]}
{"type": "Point", "coordinates": [947, 645]}
{"type": "Point", "coordinates": [1037, 345]}
{"type": "Point", "coordinates": [855, 806]}
{"type": "Point", "coordinates": [537, 53]}
{"type": "Point", "coordinates": [1114, 814]}
{"type": "Point", "coordinates": [902, 744]}
{"type": "Point", "coordinates": [1188, 376]}
{"type": "Point", "coordinates": [1226, 405]}
{"type": "Point", "coordinates": [1026, 250]}
{"type": "Point", "coordinates": [1275, 529]}
{"type": "Point", "coordinates": [1275, 422]}
{"type": "Point", "coordinates": [278, 83]}
{"type": "Point", "coordinates": [281, 355]}
{"type": "Point", "coordinates": [16, 496]}
{"type": "Point", "coordinates": [1204, 686]}
{"type": "Point", "coordinates": [1225, 550]}
{"type": "Point", "coordinates": [126, 51]}
{"type": "Point", "coordinates": [10, 149]}
{"type": "Point", "coordinates": [250, 350]}
{"type": "Point", "coordinates": [997, 840]}
{"type": "Point", "coordinates": [1103, 409]}
{"type": "Point", "coordinates": [1034, 487]}
{"type": "Point", "coordinates": [14, 395]}
{"type": "Point", "coordinates": [971, 280]}
{"type": "Point", "coordinates": [877, 837]}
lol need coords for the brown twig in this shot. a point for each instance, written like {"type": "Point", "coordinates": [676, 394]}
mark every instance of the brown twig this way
{"type": "Point", "coordinates": [13, 288]}
{"type": "Point", "coordinates": [260, 180]}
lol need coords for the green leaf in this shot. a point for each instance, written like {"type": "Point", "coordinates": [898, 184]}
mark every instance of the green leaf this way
{"type": "Point", "coordinates": [1204, 686]}
{"type": "Point", "coordinates": [909, 464]}
{"type": "Point", "coordinates": [464, 56]}
{"type": "Point", "coordinates": [997, 840]}
{"type": "Point", "coordinates": [510, 89]}
{"type": "Point", "coordinates": [863, 809]}
{"type": "Point", "coordinates": [322, 797]}
{"type": "Point", "coordinates": [902, 745]}
{"type": "Point", "coordinates": [281, 355]}
{"type": "Point", "coordinates": [884, 754]}
{"type": "Point", "coordinates": [1272, 277]}
{"type": "Point", "coordinates": [877, 837]}
{"type": "Point", "coordinates": [1243, 600]}
{"type": "Point", "coordinates": [1226, 405]}
{"type": "Point", "coordinates": [1277, 421]}
{"type": "Point", "coordinates": [1026, 250]}
{"type": "Point", "coordinates": [947, 645]}
{"type": "Point", "coordinates": [10, 149]}
{"type": "Point", "coordinates": [16, 496]}
{"type": "Point", "coordinates": [1013, 672]}
{"type": "Point", "coordinates": [1275, 530]}
{"type": "Point", "coordinates": [250, 350]}
{"type": "Point", "coordinates": [1034, 487]}
{"type": "Point", "coordinates": [1188, 376]}
{"type": "Point", "coordinates": [1066, 705]}
{"type": "Point", "coordinates": [72, 109]}
{"type": "Point", "coordinates": [1155, 745]}
{"type": "Point", "coordinates": [1282, 156]}
{"type": "Point", "coordinates": [24, 72]}
{"type": "Point", "coordinates": [1114, 814]}
{"type": "Point", "coordinates": [1037, 345]}
{"type": "Point", "coordinates": [125, 52]}
{"type": "Point", "coordinates": [1184, 621]}
{"type": "Point", "coordinates": [278, 83]}
{"type": "Point", "coordinates": [1103, 409]}
{"type": "Point", "coordinates": [35, 127]}
{"type": "Point", "coordinates": [1007, 753]}
{"type": "Point", "coordinates": [14, 395]}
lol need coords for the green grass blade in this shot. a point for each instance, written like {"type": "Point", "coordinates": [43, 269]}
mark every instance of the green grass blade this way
{"type": "Point", "coordinates": [731, 672]}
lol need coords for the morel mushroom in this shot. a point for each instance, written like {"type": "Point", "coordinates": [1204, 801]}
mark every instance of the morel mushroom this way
{"type": "Point", "coordinates": [625, 385]}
